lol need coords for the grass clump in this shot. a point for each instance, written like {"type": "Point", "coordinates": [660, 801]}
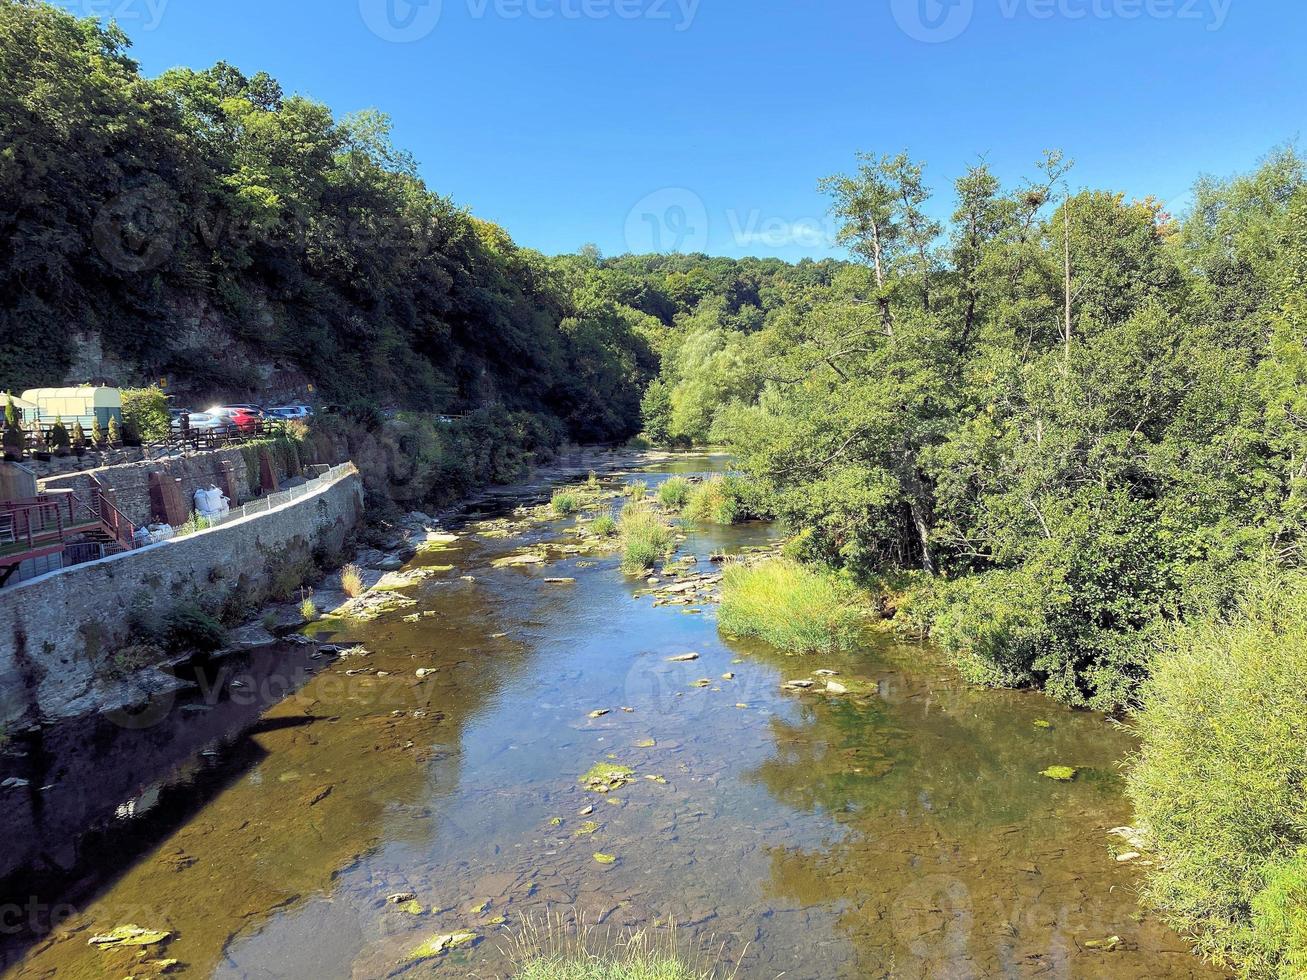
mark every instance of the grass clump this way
{"type": "Point", "coordinates": [605, 525]}
{"type": "Point", "coordinates": [723, 500]}
{"type": "Point", "coordinates": [646, 538]}
{"type": "Point", "coordinates": [308, 609]}
{"type": "Point", "coordinates": [556, 950]}
{"type": "Point", "coordinates": [674, 493]}
{"type": "Point", "coordinates": [565, 502]}
{"type": "Point", "coordinates": [1218, 780]}
{"type": "Point", "coordinates": [637, 491]}
{"type": "Point", "coordinates": [351, 581]}
{"type": "Point", "coordinates": [791, 606]}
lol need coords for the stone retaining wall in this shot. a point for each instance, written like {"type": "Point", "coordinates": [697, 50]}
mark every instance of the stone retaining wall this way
{"type": "Point", "coordinates": [62, 635]}
{"type": "Point", "coordinates": [130, 482]}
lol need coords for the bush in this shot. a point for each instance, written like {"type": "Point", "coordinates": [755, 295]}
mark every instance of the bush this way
{"type": "Point", "coordinates": [724, 500]}
{"type": "Point", "coordinates": [145, 411]}
{"type": "Point", "coordinates": [791, 606]}
{"type": "Point", "coordinates": [1218, 780]}
{"type": "Point", "coordinates": [992, 625]}
{"type": "Point", "coordinates": [674, 492]}
{"type": "Point", "coordinates": [1280, 917]}
{"type": "Point", "coordinates": [351, 581]}
{"type": "Point", "coordinates": [605, 525]}
{"type": "Point", "coordinates": [646, 539]}
{"type": "Point", "coordinates": [565, 502]}
{"type": "Point", "coordinates": [188, 627]}
{"type": "Point", "coordinates": [636, 491]}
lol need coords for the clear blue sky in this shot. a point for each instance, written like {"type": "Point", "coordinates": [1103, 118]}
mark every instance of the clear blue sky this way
{"type": "Point", "coordinates": [560, 118]}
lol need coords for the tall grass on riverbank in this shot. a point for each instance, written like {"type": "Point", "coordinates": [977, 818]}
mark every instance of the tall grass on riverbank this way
{"type": "Point", "coordinates": [1219, 781]}
{"type": "Point", "coordinates": [646, 538]}
{"type": "Point", "coordinates": [552, 950]}
{"type": "Point", "coordinates": [791, 606]}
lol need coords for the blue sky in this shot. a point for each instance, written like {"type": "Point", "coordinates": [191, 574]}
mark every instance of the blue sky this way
{"type": "Point", "coordinates": [705, 124]}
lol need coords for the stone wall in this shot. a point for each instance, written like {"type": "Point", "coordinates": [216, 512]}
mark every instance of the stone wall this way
{"type": "Point", "coordinates": [62, 635]}
{"type": "Point", "coordinates": [130, 482]}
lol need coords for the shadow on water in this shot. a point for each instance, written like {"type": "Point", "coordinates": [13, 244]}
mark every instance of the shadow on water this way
{"type": "Point", "coordinates": [98, 792]}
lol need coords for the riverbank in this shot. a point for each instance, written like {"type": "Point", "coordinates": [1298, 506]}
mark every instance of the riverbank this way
{"type": "Point", "coordinates": [432, 772]}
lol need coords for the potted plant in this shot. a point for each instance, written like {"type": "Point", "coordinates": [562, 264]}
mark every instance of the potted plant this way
{"type": "Point", "coordinates": [79, 439]}
{"type": "Point", "coordinates": [40, 448]}
{"type": "Point", "coordinates": [97, 434]}
{"type": "Point", "coordinates": [60, 441]}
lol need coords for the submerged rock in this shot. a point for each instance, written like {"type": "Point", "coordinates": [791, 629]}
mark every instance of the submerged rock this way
{"type": "Point", "coordinates": [128, 935]}
{"type": "Point", "coordinates": [438, 945]}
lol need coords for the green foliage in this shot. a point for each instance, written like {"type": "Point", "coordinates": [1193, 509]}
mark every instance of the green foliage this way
{"type": "Point", "coordinates": [145, 410]}
{"type": "Point", "coordinates": [724, 500]}
{"type": "Point", "coordinates": [59, 438]}
{"type": "Point", "coordinates": [97, 432]}
{"type": "Point", "coordinates": [674, 492]}
{"type": "Point", "coordinates": [11, 412]}
{"type": "Point", "coordinates": [188, 627]}
{"type": "Point", "coordinates": [1279, 926]}
{"type": "Point", "coordinates": [605, 525]}
{"type": "Point", "coordinates": [565, 502]}
{"type": "Point", "coordinates": [797, 608]}
{"type": "Point", "coordinates": [78, 437]}
{"type": "Point", "coordinates": [1218, 779]}
{"type": "Point", "coordinates": [115, 432]}
{"type": "Point", "coordinates": [645, 537]}
{"type": "Point", "coordinates": [308, 240]}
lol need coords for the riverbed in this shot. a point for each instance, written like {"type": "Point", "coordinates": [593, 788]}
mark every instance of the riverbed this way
{"type": "Point", "coordinates": [334, 812]}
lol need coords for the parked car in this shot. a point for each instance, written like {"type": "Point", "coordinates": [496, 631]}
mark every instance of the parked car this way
{"type": "Point", "coordinates": [258, 410]}
{"type": "Point", "coordinates": [287, 412]}
{"type": "Point", "coordinates": [241, 418]}
{"type": "Point", "coordinates": [203, 422]}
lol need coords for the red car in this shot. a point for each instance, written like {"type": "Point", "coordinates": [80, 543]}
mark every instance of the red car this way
{"type": "Point", "coordinates": [246, 422]}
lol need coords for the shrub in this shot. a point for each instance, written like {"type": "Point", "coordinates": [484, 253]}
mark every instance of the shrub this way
{"type": "Point", "coordinates": [308, 609]}
{"type": "Point", "coordinates": [791, 606]}
{"type": "Point", "coordinates": [1218, 779]}
{"type": "Point", "coordinates": [59, 439]}
{"type": "Point", "coordinates": [115, 431]}
{"type": "Point", "coordinates": [565, 502]}
{"type": "Point", "coordinates": [188, 627]}
{"type": "Point", "coordinates": [674, 492]}
{"type": "Point", "coordinates": [78, 438]}
{"type": "Point", "coordinates": [145, 410]}
{"type": "Point", "coordinates": [636, 491]}
{"type": "Point", "coordinates": [646, 538]}
{"type": "Point", "coordinates": [97, 433]}
{"type": "Point", "coordinates": [724, 500]}
{"type": "Point", "coordinates": [605, 525]}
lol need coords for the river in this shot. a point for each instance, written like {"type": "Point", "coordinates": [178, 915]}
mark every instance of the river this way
{"type": "Point", "coordinates": [264, 821]}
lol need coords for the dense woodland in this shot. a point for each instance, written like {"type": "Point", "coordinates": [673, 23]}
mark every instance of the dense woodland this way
{"type": "Point", "coordinates": [1063, 432]}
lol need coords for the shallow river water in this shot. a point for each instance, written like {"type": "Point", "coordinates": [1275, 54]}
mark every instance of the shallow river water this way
{"type": "Point", "coordinates": [904, 834]}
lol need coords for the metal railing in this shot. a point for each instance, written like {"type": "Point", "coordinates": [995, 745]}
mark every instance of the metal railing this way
{"type": "Point", "coordinates": [261, 505]}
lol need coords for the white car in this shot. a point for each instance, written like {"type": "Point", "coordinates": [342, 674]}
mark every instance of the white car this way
{"type": "Point", "coordinates": [204, 422]}
{"type": "Point", "coordinates": [289, 412]}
